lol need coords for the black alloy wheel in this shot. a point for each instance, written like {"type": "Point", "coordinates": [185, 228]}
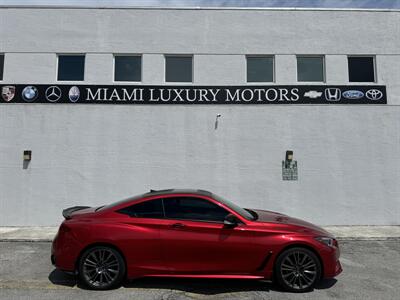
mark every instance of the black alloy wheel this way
{"type": "Point", "coordinates": [101, 268]}
{"type": "Point", "coordinates": [298, 270]}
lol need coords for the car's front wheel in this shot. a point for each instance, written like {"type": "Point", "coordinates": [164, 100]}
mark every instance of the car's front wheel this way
{"type": "Point", "coordinates": [101, 268]}
{"type": "Point", "coordinates": [297, 269]}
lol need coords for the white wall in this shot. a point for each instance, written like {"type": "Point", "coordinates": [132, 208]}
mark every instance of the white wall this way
{"type": "Point", "coordinates": [95, 154]}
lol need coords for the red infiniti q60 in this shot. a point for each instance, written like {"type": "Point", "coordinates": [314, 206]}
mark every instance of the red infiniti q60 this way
{"type": "Point", "coordinates": [191, 233]}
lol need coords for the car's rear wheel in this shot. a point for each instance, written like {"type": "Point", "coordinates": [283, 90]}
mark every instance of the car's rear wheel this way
{"type": "Point", "coordinates": [298, 269]}
{"type": "Point", "coordinates": [101, 268]}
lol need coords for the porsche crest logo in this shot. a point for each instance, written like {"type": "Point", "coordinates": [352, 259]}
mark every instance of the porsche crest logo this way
{"type": "Point", "coordinates": [8, 92]}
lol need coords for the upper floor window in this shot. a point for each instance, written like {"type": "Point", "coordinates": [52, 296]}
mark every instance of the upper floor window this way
{"type": "Point", "coordinates": [191, 208]}
{"type": "Point", "coordinates": [178, 68]}
{"type": "Point", "coordinates": [1, 66]}
{"type": "Point", "coordinates": [310, 68]}
{"type": "Point", "coordinates": [71, 67]}
{"type": "Point", "coordinates": [260, 68]}
{"type": "Point", "coordinates": [127, 68]}
{"type": "Point", "coordinates": [361, 68]}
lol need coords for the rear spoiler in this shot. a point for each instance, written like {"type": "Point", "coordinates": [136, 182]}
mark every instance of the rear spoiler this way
{"type": "Point", "coordinates": [68, 211]}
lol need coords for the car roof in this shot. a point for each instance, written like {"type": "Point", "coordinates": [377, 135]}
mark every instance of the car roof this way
{"type": "Point", "coordinates": [178, 191]}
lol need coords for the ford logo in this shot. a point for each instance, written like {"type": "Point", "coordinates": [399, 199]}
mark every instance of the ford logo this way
{"type": "Point", "coordinates": [353, 94]}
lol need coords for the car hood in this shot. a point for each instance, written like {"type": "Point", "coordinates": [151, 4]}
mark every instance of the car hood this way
{"type": "Point", "coordinates": [265, 216]}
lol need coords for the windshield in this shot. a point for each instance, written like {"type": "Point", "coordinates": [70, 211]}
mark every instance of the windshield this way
{"type": "Point", "coordinates": [241, 211]}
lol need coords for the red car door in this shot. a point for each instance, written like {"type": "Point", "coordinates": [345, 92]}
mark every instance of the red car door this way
{"type": "Point", "coordinates": [195, 240]}
{"type": "Point", "coordinates": [139, 237]}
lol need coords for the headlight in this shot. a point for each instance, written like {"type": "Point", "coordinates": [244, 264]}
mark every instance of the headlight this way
{"type": "Point", "coordinates": [330, 242]}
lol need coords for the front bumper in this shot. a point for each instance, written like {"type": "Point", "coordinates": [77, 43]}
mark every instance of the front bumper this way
{"type": "Point", "coordinates": [332, 266]}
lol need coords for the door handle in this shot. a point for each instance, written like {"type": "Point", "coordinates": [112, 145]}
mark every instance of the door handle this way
{"type": "Point", "coordinates": [178, 225]}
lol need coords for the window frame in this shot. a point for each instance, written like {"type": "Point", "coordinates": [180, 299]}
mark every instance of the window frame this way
{"type": "Point", "coordinates": [70, 54]}
{"type": "Point", "coordinates": [132, 55]}
{"type": "Point", "coordinates": [311, 56]}
{"type": "Point", "coordinates": [178, 55]}
{"type": "Point", "coordinates": [4, 63]}
{"type": "Point", "coordinates": [261, 56]}
{"type": "Point", "coordinates": [373, 66]}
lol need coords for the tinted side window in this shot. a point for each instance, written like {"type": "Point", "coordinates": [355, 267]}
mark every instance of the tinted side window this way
{"type": "Point", "coordinates": [189, 208]}
{"type": "Point", "coordinates": [146, 209]}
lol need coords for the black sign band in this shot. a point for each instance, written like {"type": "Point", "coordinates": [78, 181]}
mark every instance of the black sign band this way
{"type": "Point", "coordinates": [140, 94]}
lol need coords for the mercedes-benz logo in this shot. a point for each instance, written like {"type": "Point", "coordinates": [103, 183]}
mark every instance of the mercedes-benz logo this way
{"type": "Point", "coordinates": [30, 93]}
{"type": "Point", "coordinates": [374, 94]}
{"type": "Point", "coordinates": [53, 93]}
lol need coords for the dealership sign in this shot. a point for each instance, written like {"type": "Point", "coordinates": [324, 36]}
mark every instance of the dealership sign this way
{"type": "Point", "coordinates": [146, 94]}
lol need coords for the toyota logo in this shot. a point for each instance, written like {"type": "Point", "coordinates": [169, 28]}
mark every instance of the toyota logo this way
{"type": "Point", "coordinates": [53, 93]}
{"type": "Point", "coordinates": [374, 94]}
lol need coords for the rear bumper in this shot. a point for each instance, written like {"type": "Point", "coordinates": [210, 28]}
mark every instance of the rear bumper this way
{"type": "Point", "coordinates": [65, 252]}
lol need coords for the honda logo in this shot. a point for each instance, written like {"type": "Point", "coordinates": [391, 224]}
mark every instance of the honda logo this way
{"type": "Point", "coordinates": [333, 94]}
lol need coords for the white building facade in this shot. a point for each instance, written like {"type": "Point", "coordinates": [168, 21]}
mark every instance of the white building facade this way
{"type": "Point", "coordinates": [95, 150]}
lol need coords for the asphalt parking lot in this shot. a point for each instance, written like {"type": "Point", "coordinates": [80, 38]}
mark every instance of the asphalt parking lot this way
{"type": "Point", "coordinates": [371, 271]}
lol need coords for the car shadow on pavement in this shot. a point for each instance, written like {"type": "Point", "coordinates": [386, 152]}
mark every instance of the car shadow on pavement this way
{"type": "Point", "coordinates": [213, 286]}
{"type": "Point", "coordinates": [60, 278]}
{"type": "Point", "coordinates": [201, 286]}
{"type": "Point", "coordinates": [189, 285]}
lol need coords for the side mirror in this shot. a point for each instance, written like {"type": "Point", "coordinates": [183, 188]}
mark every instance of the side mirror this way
{"type": "Point", "coordinates": [231, 221]}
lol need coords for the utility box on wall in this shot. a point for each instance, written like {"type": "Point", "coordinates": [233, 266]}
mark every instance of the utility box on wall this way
{"type": "Point", "coordinates": [289, 167]}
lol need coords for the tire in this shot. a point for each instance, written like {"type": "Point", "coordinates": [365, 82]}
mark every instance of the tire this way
{"type": "Point", "coordinates": [297, 270]}
{"type": "Point", "coordinates": [101, 268]}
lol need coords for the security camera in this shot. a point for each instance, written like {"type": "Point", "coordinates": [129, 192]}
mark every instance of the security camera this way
{"type": "Point", "coordinates": [218, 115]}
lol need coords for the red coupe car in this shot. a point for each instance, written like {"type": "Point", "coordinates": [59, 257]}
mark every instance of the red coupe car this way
{"type": "Point", "coordinates": [191, 233]}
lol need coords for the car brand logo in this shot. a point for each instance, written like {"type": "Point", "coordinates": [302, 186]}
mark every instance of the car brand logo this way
{"type": "Point", "coordinates": [74, 94]}
{"type": "Point", "coordinates": [312, 94]}
{"type": "Point", "coordinates": [8, 92]}
{"type": "Point", "coordinates": [53, 93]}
{"type": "Point", "coordinates": [374, 94]}
{"type": "Point", "coordinates": [353, 94]}
{"type": "Point", "coordinates": [30, 93]}
{"type": "Point", "coordinates": [333, 94]}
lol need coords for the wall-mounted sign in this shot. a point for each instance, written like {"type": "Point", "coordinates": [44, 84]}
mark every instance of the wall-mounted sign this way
{"type": "Point", "coordinates": [289, 167]}
{"type": "Point", "coordinates": [146, 94]}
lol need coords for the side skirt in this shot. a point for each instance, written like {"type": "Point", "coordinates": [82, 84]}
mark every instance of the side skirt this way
{"type": "Point", "coordinates": [207, 276]}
